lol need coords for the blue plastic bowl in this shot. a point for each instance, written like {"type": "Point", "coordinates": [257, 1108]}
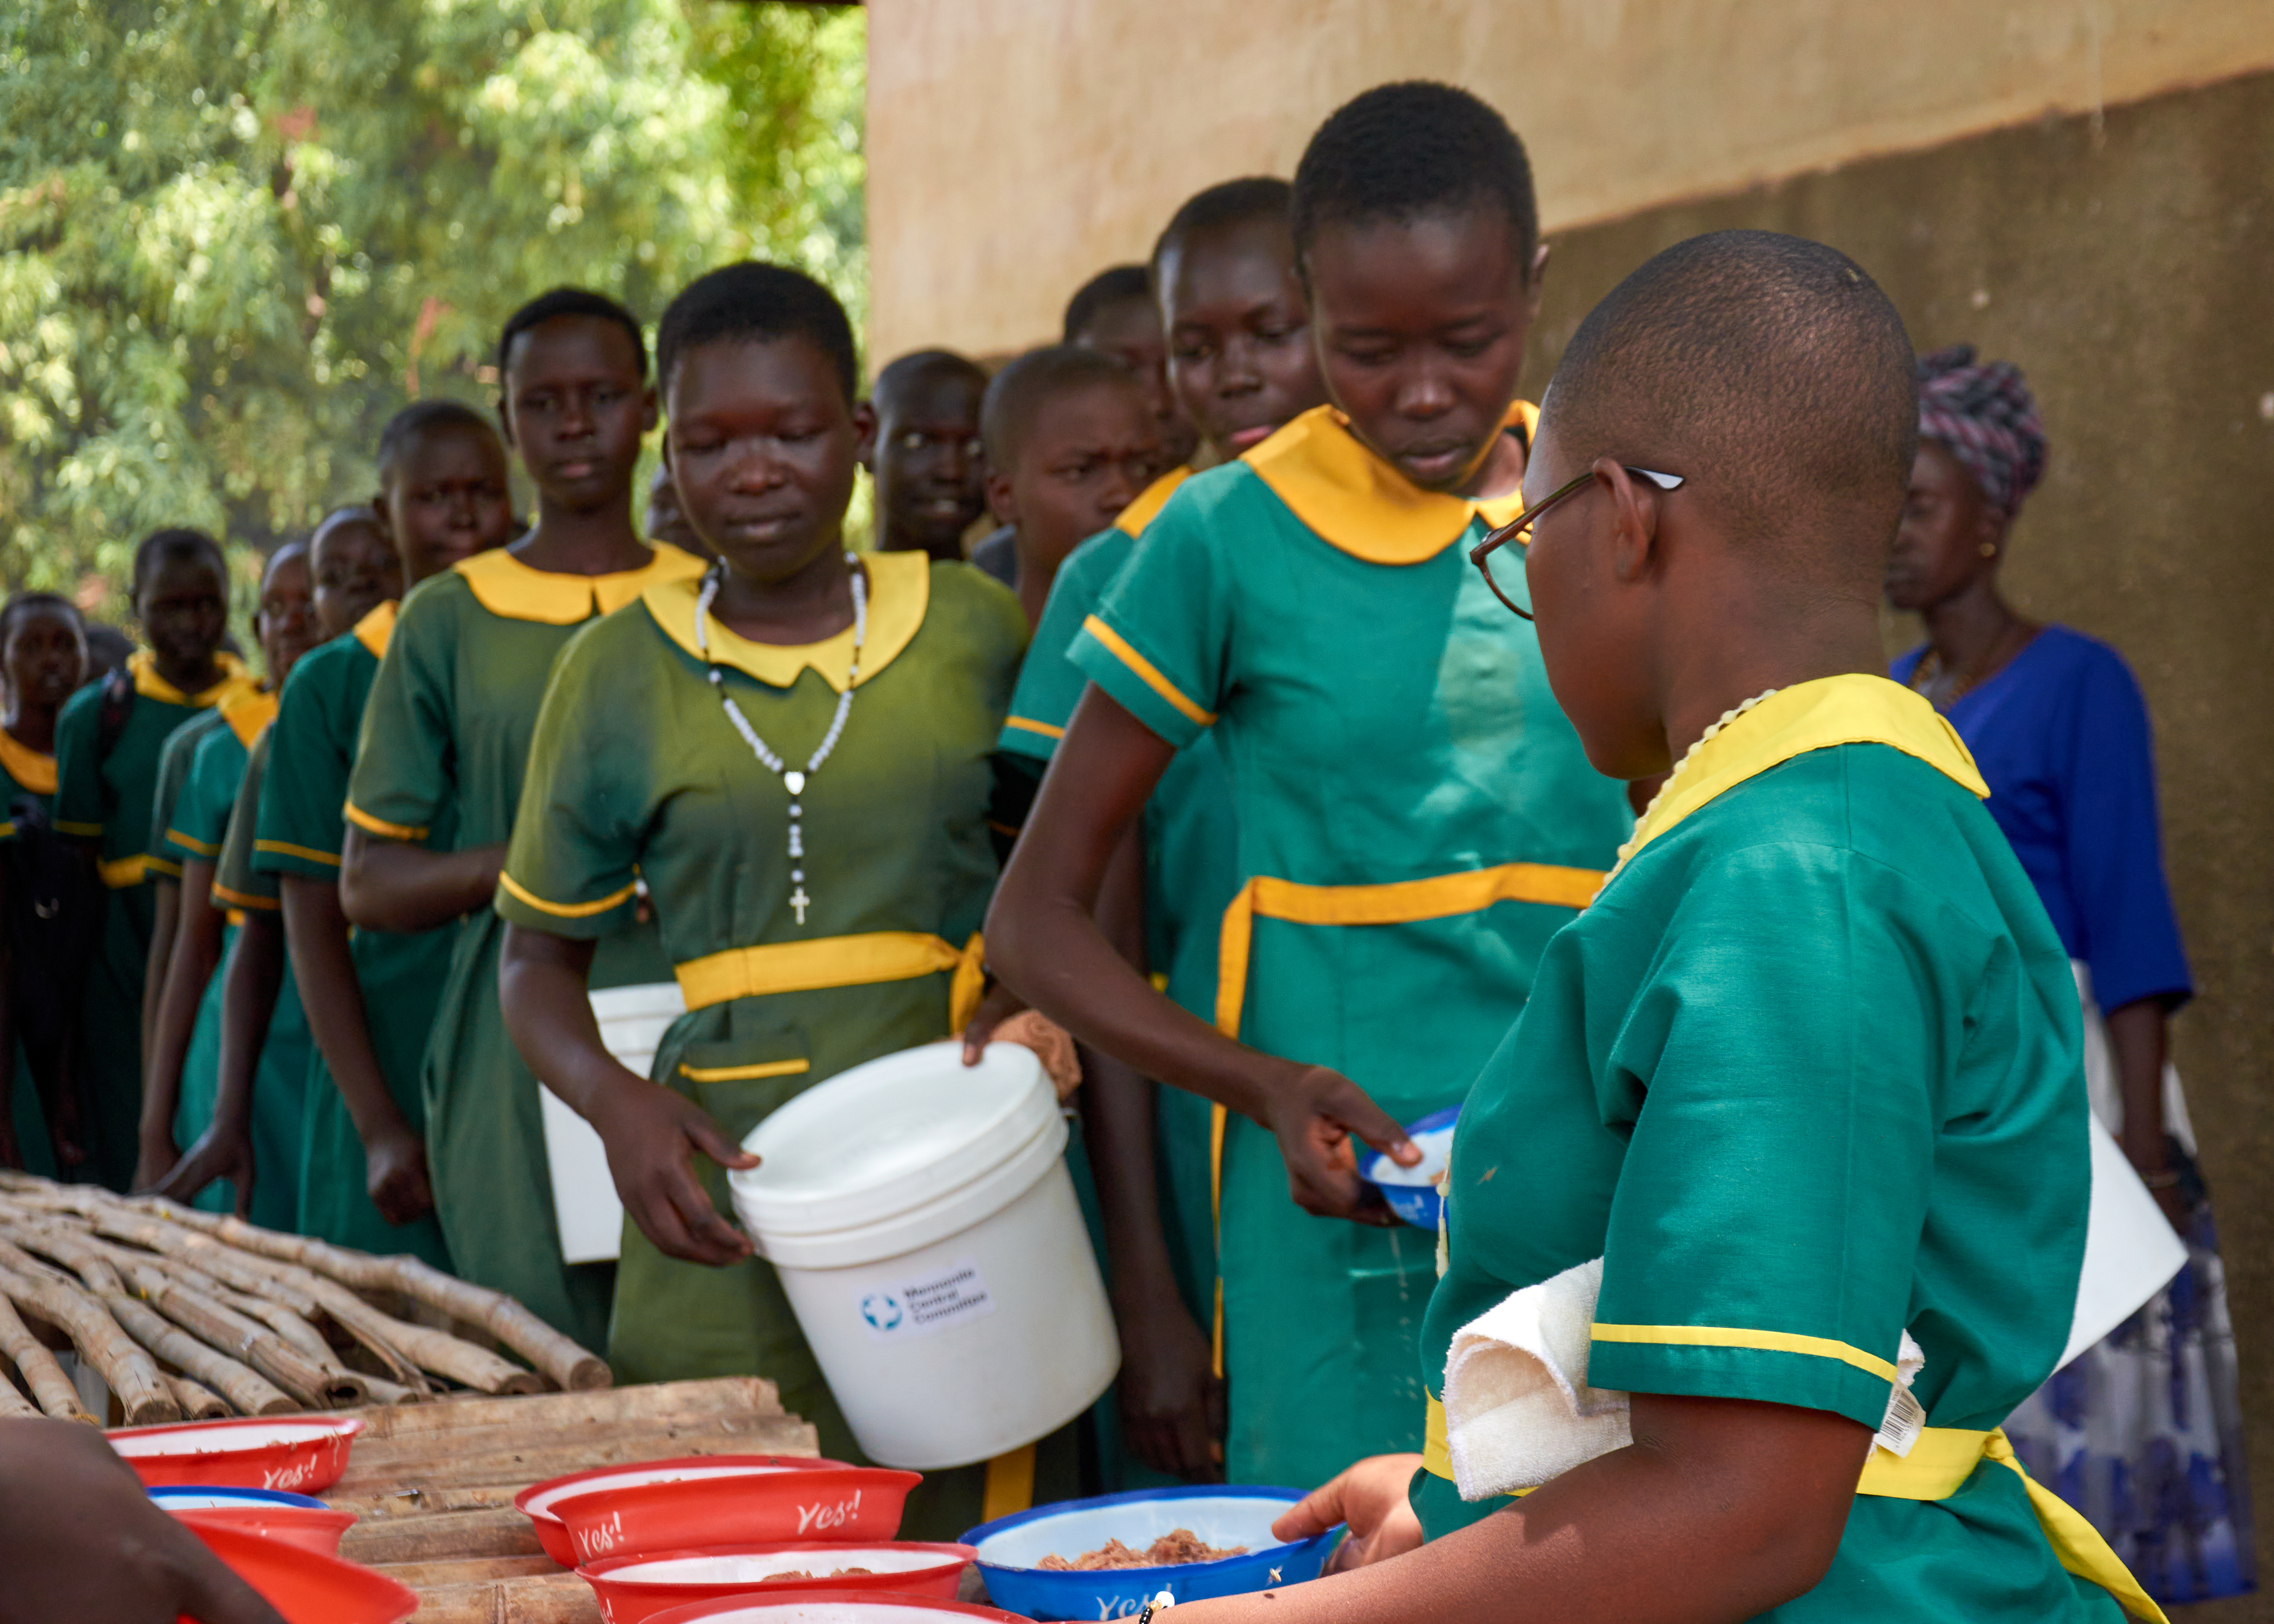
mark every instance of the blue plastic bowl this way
{"type": "Point", "coordinates": [1010, 1547]}
{"type": "Point", "coordinates": [197, 1497]}
{"type": "Point", "coordinates": [1411, 1191]}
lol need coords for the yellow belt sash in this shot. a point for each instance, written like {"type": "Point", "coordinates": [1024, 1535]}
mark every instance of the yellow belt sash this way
{"type": "Point", "coordinates": [1401, 902]}
{"type": "Point", "coordinates": [1937, 1468]}
{"type": "Point", "coordinates": [838, 961]}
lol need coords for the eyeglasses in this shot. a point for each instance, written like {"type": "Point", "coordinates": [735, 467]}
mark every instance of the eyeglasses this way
{"type": "Point", "coordinates": [1519, 529]}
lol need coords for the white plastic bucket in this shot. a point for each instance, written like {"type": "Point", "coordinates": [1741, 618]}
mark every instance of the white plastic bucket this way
{"type": "Point", "coordinates": [925, 1229]}
{"type": "Point", "coordinates": [633, 1020]}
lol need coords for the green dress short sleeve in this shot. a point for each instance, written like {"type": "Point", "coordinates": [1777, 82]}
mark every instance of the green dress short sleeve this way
{"type": "Point", "coordinates": [171, 847]}
{"type": "Point", "coordinates": [79, 784]}
{"type": "Point", "coordinates": [299, 825]}
{"type": "Point", "coordinates": [573, 866]}
{"type": "Point", "coordinates": [1158, 641]}
{"type": "Point", "coordinates": [405, 773]}
{"type": "Point", "coordinates": [1050, 683]}
{"type": "Point", "coordinates": [236, 881]}
{"type": "Point", "coordinates": [200, 820]}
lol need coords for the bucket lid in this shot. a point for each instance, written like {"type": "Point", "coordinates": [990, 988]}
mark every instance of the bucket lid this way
{"type": "Point", "coordinates": [891, 1135]}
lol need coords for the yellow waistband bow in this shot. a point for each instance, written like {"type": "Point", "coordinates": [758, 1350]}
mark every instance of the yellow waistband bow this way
{"type": "Point", "coordinates": [118, 873]}
{"type": "Point", "coordinates": [1399, 902]}
{"type": "Point", "coordinates": [1939, 1465]}
{"type": "Point", "coordinates": [838, 961]}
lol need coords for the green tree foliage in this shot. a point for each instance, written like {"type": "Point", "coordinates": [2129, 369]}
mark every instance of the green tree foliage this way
{"type": "Point", "coordinates": [236, 235]}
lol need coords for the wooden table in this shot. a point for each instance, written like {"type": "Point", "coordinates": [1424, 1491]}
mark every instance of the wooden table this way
{"type": "Point", "coordinates": [433, 1485]}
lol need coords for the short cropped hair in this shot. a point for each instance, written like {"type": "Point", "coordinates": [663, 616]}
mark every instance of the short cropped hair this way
{"type": "Point", "coordinates": [420, 418]}
{"type": "Point", "coordinates": [176, 543]}
{"type": "Point", "coordinates": [1017, 395]}
{"type": "Point", "coordinates": [1116, 285]}
{"type": "Point", "coordinates": [1398, 151]}
{"type": "Point", "coordinates": [31, 603]}
{"type": "Point", "coordinates": [569, 302]}
{"type": "Point", "coordinates": [754, 302]}
{"type": "Point", "coordinates": [919, 363]}
{"type": "Point", "coordinates": [354, 513]}
{"type": "Point", "coordinates": [1226, 204]}
{"type": "Point", "coordinates": [1772, 373]}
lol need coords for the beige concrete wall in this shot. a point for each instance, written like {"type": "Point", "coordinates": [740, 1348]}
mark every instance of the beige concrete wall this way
{"type": "Point", "coordinates": [1017, 145]}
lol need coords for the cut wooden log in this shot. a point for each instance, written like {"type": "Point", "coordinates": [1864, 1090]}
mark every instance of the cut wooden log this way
{"type": "Point", "coordinates": [13, 1403]}
{"type": "Point", "coordinates": [199, 1402]}
{"type": "Point", "coordinates": [247, 1340]}
{"type": "Point", "coordinates": [559, 1598]}
{"type": "Point", "coordinates": [50, 1388]}
{"type": "Point", "coordinates": [542, 1457]}
{"type": "Point", "coordinates": [441, 1536]}
{"type": "Point", "coordinates": [379, 1390]}
{"type": "Point", "coordinates": [248, 1392]}
{"type": "Point", "coordinates": [726, 1402]}
{"type": "Point", "coordinates": [131, 1373]}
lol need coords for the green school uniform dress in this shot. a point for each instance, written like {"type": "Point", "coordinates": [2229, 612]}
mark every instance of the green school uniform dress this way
{"type": "Point", "coordinates": [637, 771]}
{"type": "Point", "coordinates": [24, 771]}
{"type": "Point", "coordinates": [170, 851]}
{"type": "Point", "coordinates": [1416, 818]}
{"type": "Point", "coordinates": [297, 832]}
{"type": "Point", "coordinates": [1191, 868]}
{"type": "Point", "coordinates": [280, 1088]}
{"type": "Point", "coordinates": [448, 726]}
{"type": "Point", "coordinates": [1806, 1076]}
{"type": "Point", "coordinates": [103, 793]}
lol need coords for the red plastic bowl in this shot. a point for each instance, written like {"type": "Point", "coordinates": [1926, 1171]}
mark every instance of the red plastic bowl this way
{"type": "Point", "coordinates": [300, 1453]}
{"type": "Point", "coordinates": [293, 1525]}
{"type": "Point", "coordinates": [305, 1587]}
{"type": "Point", "coordinates": [537, 1499]}
{"type": "Point", "coordinates": [831, 1607]}
{"type": "Point", "coordinates": [632, 1589]}
{"type": "Point", "coordinates": [837, 1503]}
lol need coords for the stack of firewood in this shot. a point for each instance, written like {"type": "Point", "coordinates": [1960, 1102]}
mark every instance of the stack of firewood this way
{"type": "Point", "coordinates": [188, 1314]}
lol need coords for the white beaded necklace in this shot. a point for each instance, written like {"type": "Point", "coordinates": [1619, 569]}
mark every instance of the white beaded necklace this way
{"type": "Point", "coordinates": [793, 779]}
{"type": "Point", "coordinates": [1634, 842]}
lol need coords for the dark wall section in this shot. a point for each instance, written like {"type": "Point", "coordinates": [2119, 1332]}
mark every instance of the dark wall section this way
{"type": "Point", "coordinates": [2128, 264]}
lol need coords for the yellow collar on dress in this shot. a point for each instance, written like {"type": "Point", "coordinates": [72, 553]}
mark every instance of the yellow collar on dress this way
{"type": "Point", "coordinates": [31, 770]}
{"type": "Point", "coordinates": [899, 592]}
{"type": "Point", "coordinates": [248, 711]}
{"type": "Point", "coordinates": [513, 591]}
{"type": "Point", "coordinates": [375, 629]}
{"type": "Point", "coordinates": [1855, 709]}
{"type": "Point", "coordinates": [1150, 500]}
{"type": "Point", "coordinates": [142, 665]}
{"type": "Point", "coordinates": [1361, 504]}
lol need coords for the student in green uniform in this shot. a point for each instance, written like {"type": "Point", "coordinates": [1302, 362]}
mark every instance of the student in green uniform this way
{"type": "Point", "coordinates": [42, 656]}
{"type": "Point", "coordinates": [446, 731]}
{"type": "Point", "coordinates": [1115, 312]}
{"type": "Point", "coordinates": [1071, 442]}
{"type": "Point", "coordinates": [926, 458]}
{"type": "Point", "coordinates": [107, 740]}
{"type": "Point", "coordinates": [193, 1049]}
{"type": "Point", "coordinates": [1803, 1083]}
{"type": "Point", "coordinates": [711, 741]}
{"type": "Point", "coordinates": [371, 995]}
{"type": "Point", "coordinates": [1409, 836]}
{"type": "Point", "coordinates": [1242, 363]}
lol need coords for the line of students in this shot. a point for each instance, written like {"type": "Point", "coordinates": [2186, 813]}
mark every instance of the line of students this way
{"type": "Point", "coordinates": [1317, 818]}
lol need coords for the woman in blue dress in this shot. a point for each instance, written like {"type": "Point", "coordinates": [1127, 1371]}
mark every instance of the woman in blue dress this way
{"type": "Point", "coordinates": [2141, 1431]}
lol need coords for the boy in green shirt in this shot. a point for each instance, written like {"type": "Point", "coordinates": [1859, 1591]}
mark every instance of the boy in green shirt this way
{"type": "Point", "coordinates": [1801, 1090]}
{"type": "Point", "coordinates": [371, 995]}
{"type": "Point", "coordinates": [929, 468]}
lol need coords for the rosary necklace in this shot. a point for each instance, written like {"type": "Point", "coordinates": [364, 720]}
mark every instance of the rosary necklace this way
{"type": "Point", "coordinates": [793, 779]}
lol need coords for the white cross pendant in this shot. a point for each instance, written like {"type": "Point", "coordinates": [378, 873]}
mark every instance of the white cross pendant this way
{"type": "Point", "coordinates": [799, 900]}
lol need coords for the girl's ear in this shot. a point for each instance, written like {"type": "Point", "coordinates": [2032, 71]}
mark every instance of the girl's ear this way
{"type": "Point", "coordinates": [864, 435]}
{"type": "Point", "coordinates": [1000, 500]}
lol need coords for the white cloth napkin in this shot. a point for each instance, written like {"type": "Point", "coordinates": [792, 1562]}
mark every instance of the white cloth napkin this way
{"type": "Point", "coordinates": [1518, 1410]}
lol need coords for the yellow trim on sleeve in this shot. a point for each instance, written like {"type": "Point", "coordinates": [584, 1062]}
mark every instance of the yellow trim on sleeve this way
{"type": "Point", "coordinates": [159, 865]}
{"type": "Point", "coordinates": [564, 910]}
{"type": "Point", "coordinates": [745, 1073]}
{"type": "Point", "coordinates": [8, 830]}
{"type": "Point", "coordinates": [513, 591]}
{"type": "Point", "coordinates": [32, 769]}
{"type": "Point", "coordinates": [120, 872]}
{"type": "Point", "coordinates": [1027, 724]}
{"type": "Point", "coordinates": [374, 630]}
{"type": "Point", "coordinates": [1745, 1336]}
{"type": "Point", "coordinates": [1147, 672]}
{"type": "Point", "coordinates": [285, 848]}
{"type": "Point", "coordinates": [860, 960]}
{"type": "Point", "coordinates": [364, 821]}
{"type": "Point", "coordinates": [1133, 519]}
{"type": "Point", "coordinates": [899, 597]}
{"type": "Point", "coordinates": [245, 900]}
{"type": "Point", "coordinates": [193, 843]}
{"type": "Point", "coordinates": [79, 832]}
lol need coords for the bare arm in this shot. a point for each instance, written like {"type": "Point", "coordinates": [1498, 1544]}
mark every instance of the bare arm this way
{"type": "Point", "coordinates": [166, 898]}
{"type": "Point", "coordinates": [394, 1156]}
{"type": "Point", "coordinates": [190, 965]}
{"type": "Point", "coordinates": [1719, 1510]}
{"type": "Point", "coordinates": [2138, 1035]}
{"type": "Point", "coordinates": [1043, 936]}
{"type": "Point", "coordinates": [394, 885]}
{"type": "Point", "coordinates": [652, 1133]}
{"type": "Point", "coordinates": [251, 983]}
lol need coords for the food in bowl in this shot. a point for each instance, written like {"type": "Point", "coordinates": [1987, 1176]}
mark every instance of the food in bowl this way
{"type": "Point", "coordinates": [1172, 1549]}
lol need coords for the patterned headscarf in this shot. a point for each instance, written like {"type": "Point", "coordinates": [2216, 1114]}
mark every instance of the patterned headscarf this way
{"type": "Point", "coordinates": [1984, 411]}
